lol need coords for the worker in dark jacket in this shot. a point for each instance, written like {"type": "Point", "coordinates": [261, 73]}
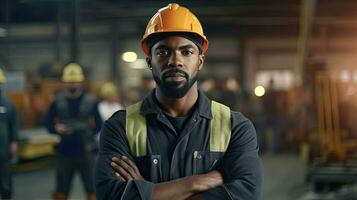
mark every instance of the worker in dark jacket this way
{"type": "Point", "coordinates": [8, 140]}
{"type": "Point", "coordinates": [177, 143]}
{"type": "Point", "coordinates": [75, 118]}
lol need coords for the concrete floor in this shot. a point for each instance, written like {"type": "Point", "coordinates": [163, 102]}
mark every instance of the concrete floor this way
{"type": "Point", "coordinates": [283, 180]}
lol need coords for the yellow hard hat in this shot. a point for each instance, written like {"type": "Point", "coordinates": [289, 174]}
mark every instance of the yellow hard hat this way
{"type": "Point", "coordinates": [2, 77]}
{"type": "Point", "coordinates": [73, 73]}
{"type": "Point", "coordinates": [108, 89]}
{"type": "Point", "coordinates": [174, 18]}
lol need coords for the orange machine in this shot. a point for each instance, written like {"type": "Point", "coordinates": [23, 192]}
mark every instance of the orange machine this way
{"type": "Point", "coordinates": [336, 164]}
{"type": "Point", "coordinates": [335, 140]}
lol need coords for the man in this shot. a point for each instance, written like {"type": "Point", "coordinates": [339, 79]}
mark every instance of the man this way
{"type": "Point", "coordinates": [272, 119]}
{"type": "Point", "coordinates": [75, 118]}
{"type": "Point", "coordinates": [176, 143]}
{"type": "Point", "coordinates": [8, 140]}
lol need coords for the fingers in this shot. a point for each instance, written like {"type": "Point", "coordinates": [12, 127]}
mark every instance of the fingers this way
{"type": "Point", "coordinates": [126, 168]}
{"type": "Point", "coordinates": [121, 172]}
{"type": "Point", "coordinates": [119, 177]}
{"type": "Point", "coordinates": [124, 164]}
{"type": "Point", "coordinates": [131, 164]}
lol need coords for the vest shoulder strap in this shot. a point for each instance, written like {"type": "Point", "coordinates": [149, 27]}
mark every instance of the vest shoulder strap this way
{"type": "Point", "coordinates": [136, 130]}
{"type": "Point", "coordinates": [220, 127]}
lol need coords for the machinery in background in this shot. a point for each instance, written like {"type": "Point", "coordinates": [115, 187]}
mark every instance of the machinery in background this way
{"type": "Point", "coordinates": [334, 163]}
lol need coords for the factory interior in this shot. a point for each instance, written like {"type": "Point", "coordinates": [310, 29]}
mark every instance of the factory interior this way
{"type": "Point", "coordinates": [289, 66]}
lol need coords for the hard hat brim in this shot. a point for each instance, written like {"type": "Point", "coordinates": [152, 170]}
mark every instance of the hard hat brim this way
{"type": "Point", "coordinates": [144, 41]}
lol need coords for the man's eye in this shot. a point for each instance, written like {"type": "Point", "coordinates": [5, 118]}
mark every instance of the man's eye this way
{"type": "Point", "coordinates": [187, 52]}
{"type": "Point", "coordinates": [161, 52]}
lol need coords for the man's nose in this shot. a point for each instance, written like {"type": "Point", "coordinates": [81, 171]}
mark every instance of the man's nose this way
{"type": "Point", "coordinates": [175, 60]}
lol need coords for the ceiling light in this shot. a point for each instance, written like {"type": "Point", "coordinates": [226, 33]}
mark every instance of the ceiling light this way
{"type": "Point", "coordinates": [259, 91]}
{"type": "Point", "coordinates": [129, 56]}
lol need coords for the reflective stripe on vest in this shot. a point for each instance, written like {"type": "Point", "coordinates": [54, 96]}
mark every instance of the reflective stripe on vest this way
{"type": "Point", "coordinates": [136, 129]}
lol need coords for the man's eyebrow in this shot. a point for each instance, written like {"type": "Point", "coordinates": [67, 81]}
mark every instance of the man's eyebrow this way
{"type": "Point", "coordinates": [189, 46]}
{"type": "Point", "coordinates": [162, 46]}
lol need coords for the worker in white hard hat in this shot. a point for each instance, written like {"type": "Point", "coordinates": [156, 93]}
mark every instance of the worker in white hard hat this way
{"type": "Point", "coordinates": [8, 140]}
{"type": "Point", "coordinates": [177, 143]}
{"type": "Point", "coordinates": [74, 116]}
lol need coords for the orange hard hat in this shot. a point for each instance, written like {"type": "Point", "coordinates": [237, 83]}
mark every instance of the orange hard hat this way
{"type": "Point", "coordinates": [173, 18]}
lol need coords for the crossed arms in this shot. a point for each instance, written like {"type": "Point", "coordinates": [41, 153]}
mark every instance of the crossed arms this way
{"type": "Point", "coordinates": [183, 188]}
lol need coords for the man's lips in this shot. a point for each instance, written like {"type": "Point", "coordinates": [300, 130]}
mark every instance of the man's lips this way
{"type": "Point", "coordinates": [175, 76]}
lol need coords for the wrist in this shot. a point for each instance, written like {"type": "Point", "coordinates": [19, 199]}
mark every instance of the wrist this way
{"type": "Point", "coordinates": [196, 183]}
{"type": "Point", "coordinates": [207, 181]}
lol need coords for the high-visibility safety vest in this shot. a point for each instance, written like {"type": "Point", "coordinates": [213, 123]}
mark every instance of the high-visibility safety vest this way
{"type": "Point", "coordinates": [136, 129]}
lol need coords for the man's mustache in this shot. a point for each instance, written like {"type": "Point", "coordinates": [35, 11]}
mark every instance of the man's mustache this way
{"type": "Point", "coordinates": [174, 72]}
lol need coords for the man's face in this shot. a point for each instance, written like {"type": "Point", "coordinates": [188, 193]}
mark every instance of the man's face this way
{"type": "Point", "coordinates": [74, 87]}
{"type": "Point", "coordinates": [175, 62]}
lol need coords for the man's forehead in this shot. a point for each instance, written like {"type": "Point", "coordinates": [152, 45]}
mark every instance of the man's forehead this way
{"type": "Point", "coordinates": [177, 41]}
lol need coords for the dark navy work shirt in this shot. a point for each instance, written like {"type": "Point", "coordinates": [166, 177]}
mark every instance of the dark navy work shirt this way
{"type": "Point", "coordinates": [73, 145]}
{"type": "Point", "coordinates": [171, 156]}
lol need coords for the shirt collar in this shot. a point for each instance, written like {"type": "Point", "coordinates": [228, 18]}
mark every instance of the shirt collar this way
{"type": "Point", "coordinates": [150, 105]}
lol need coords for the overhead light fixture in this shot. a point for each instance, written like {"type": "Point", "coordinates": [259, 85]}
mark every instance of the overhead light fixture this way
{"type": "Point", "coordinates": [129, 56]}
{"type": "Point", "coordinates": [259, 91]}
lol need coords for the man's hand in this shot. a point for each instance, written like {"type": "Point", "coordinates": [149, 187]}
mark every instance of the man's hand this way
{"type": "Point", "coordinates": [61, 128]}
{"type": "Point", "coordinates": [125, 169]}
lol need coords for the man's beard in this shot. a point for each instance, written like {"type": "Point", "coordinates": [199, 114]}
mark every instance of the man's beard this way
{"type": "Point", "coordinates": [172, 90]}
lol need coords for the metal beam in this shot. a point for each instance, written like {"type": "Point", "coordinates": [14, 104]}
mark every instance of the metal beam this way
{"type": "Point", "coordinates": [306, 14]}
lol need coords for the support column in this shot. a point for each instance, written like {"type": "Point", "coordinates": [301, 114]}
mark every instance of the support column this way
{"type": "Point", "coordinates": [75, 30]}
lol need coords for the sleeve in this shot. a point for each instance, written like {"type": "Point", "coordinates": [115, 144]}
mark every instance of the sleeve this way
{"type": "Point", "coordinates": [113, 142]}
{"type": "Point", "coordinates": [50, 118]}
{"type": "Point", "coordinates": [241, 166]}
{"type": "Point", "coordinates": [13, 124]}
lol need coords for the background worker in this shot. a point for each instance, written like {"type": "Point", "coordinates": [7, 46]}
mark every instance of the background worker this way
{"type": "Point", "coordinates": [8, 140]}
{"type": "Point", "coordinates": [74, 116]}
{"type": "Point", "coordinates": [177, 143]}
{"type": "Point", "coordinates": [110, 102]}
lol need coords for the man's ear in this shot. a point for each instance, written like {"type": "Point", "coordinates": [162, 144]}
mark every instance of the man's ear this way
{"type": "Point", "coordinates": [148, 61]}
{"type": "Point", "coordinates": [201, 59]}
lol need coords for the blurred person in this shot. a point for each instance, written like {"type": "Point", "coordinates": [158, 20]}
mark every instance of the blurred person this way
{"type": "Point", "coordinates": [272, 120]}
{"type": "Point", "coordinates": [39, 100]}
{"type": "Point", "coordinates": [8, 140]}
{"type": "Point", "coordinates": [229, 94]}
{"type": "Point", "coordinates": [299, 119]}
{"type": "Point", "coordinates": [110, 101]}
{"type": "Point", "coordinates": [208, 86]}
{"type": "Point", "coordinates": [74, 116]}
{"type": "Point", "coordinates": [147, 84]}
{"type": "Point", "coordinates": [177, 143]}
